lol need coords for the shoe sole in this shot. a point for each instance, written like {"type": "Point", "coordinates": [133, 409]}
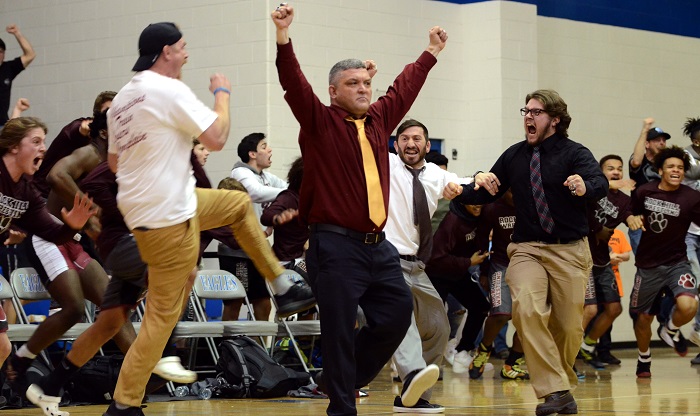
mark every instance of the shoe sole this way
{"type": "Point", "coordinates": [296, 307]}
{"type": "Point", "coordinates": [516, 378]}
{"type": "Point", "coordinates": [421, 382]}
{"type": "Point", "coordinates": [47, 404]}
{"type": "Point", "coordinates": [569, 409]}
{"type": "Point", "coordinates": [397, 409]}
{"type": "Point", "coordinates": [596, 365]}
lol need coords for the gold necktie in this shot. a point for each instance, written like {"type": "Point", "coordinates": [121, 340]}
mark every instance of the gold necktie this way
{"type": "Point", "coordinates": [375, 198]}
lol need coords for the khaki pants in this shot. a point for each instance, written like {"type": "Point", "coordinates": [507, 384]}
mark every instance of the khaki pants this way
{"type": "Point", "coordinates": [548, 283]}
{"type": "Point", "coordinates": [171, 253]}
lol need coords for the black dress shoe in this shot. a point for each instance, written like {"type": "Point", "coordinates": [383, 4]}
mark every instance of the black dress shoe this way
{"type": "Point", "coordinates": [561, 402]}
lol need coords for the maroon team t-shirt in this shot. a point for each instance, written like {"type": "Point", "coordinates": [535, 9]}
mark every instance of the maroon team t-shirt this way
{"type": "Point", "coordinates": [667, 216]}
{"type": "Point", "coordinates": [610, 211]}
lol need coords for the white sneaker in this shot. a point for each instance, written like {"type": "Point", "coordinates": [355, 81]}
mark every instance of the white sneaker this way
{"type": "Point", "coordinates": [462, 360]}
{"type": "Point", "coordinates": [450, 350]}
{"type": "Point", "coordinates": [47, 404]}
{"type": "Point", "coordinates": [695, 337]}
{"type": "Point", "coordinates": [171, 369]}
{"type": "Point", "coordinates": [665, 336]}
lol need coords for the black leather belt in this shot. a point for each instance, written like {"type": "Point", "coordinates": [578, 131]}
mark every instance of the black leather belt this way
{"type": "Point", "coordinates": [408, 257]}
{"type": "Point", "coordinates": [557, 241]}
{"type": "Point", "coordinates": [367, 238]}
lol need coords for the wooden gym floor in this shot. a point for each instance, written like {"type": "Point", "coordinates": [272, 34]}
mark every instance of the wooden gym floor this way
{"type": "Point", "coordinates": [673, 390]}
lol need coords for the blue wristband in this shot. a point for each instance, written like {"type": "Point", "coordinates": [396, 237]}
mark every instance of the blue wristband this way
{"type": "Point", "coordinates": [222, 89]}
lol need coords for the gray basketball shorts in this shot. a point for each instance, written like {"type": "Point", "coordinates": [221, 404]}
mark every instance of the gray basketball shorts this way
{"type": "Point", "coordinates": [501, 301]}
{"type": "Point", "coordinates": [649, 283]}
{"type": "Point", "coordinates": [128, 271]}
{"type": "Point", "coordinates": [602, 286]}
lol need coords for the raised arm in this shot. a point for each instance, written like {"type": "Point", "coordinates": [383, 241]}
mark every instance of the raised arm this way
{"type": "Point", "coordinates": [282, 17]}
{"type": "Point", "coordinates": [214, 138]}
{"type": "Point", "coordinates": [438, 39]}
{"type": "Point", "coordinates": [21, 106]}
{"type": "Point", "coordinates": [28, 53]}
{"type": "Point", "coordinates": [65, 173]}
{"type": "Point", "coordinates": [640, 146]}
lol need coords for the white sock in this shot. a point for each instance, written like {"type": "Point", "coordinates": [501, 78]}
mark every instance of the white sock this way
{"type": "Point", "coordinates": [281, 284]}
{"type": "Point", "coordinates": [25, 353]}
{"type": "Point", "coordinates": [670, 325]}
{"type": "Point", "coordinates": [644, 356]}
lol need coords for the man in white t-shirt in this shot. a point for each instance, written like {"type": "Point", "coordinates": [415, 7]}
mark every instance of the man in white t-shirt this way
{"type": "Point", "coordinates": [152, 122]}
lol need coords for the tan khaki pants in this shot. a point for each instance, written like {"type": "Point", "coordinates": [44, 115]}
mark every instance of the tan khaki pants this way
{"type": "Point", "coordinates": [548, 283]}
{"type": "Point", "coordinates": [171, 254]}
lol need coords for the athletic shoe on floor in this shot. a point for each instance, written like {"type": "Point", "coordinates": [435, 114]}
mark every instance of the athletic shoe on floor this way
{"type": "Point", "coordinates": [608, 358]}
{"type": "Point", "coordinates": [515, 372]}
{"type": "Point", "coordinates": [478, 365]}
{"type": "Point", "coordinates": [422, 406]}
{"type": "Point", "coordinates": [450, 351]}
{"type": "Point", "coordinates": [417, 383]}
{"type": "Point", "coordinates": [643, 369]}
{"type": "Point", "coordinates": [462, 361]}
{"type": "Point", "coordinates": [591, 358]}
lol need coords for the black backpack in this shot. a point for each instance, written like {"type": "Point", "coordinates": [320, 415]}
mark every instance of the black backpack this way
{"type": "Point", "coordinates": [96, 380]}
{"type": "Point", "coordinates": [248, 368]}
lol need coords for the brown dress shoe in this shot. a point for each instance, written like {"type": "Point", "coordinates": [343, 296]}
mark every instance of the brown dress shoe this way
{"type": "Point", "coordinates": [561, 402]}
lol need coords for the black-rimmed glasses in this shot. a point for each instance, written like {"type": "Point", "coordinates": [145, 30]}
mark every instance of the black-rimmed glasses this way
{"type": "Point", "coordinates": [534, 111]}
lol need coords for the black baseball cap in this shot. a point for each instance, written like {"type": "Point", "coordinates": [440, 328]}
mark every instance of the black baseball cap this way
{"type": "Point", "coordinates": [657, 132]}
{"type": "Point", "coordinates": [152, 41]}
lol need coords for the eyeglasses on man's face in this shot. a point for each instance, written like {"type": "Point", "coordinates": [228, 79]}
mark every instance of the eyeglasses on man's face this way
{"type": "Point", "coordinates": [534, 111]}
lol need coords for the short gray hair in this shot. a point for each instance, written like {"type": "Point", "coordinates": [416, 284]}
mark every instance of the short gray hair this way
{"type": "Point", "coordinates": [342, 66]}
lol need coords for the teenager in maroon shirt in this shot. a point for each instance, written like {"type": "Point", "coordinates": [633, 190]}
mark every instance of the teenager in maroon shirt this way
{"type": "Point", "coordinates": [290, 235]}
{"type": "Point", "coordinates": [67, 271]}
{"type": "Point", "coordinates": [665, 210]}
{"type": "Point", "coordinates": [72, 136]}
{"type": "Point", "coordinates": [22, 147]}
{"type": "Point", "coordinates": [604, 216]}
{"type": "Point", "coordinates": [498, 219]}
{"type": "Point", "coordinates": [454, 268]}
{"type": "Point", "coordinates": [349, 259]}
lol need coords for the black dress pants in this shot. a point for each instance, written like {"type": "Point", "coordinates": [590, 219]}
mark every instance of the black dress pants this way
{"type": "Point", "coordinates": [347, 273]}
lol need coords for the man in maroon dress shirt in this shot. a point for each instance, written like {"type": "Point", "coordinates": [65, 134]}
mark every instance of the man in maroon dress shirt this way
{"type": "Point", "coordinates": [349, 259]}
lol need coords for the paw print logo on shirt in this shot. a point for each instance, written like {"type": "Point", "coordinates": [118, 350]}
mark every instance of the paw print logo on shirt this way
{"type": "Point", "coordinates": [657, 222]}
{"type": "Point", "coordinates": [600, 216]}
{"type": "Point", "coordinates": [687, 281]}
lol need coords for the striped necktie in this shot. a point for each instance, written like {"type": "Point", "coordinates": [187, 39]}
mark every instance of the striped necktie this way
{"type": "Point", "coordinates": [538, 192]}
